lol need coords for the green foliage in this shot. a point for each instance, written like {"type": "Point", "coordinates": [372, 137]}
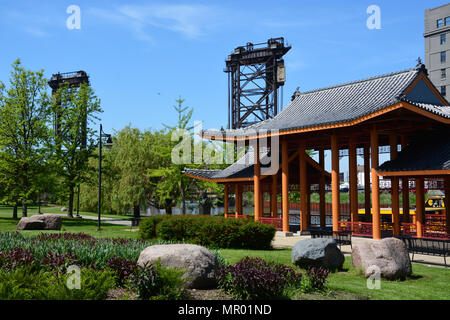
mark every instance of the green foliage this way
{"type": "Point", "coordinates": [156, 282]}
{"type": "Point", "coordinates": [76, 109]}
{"type": "Point", "coordinates": [147, 226]}
{"type": "Point", "coordinates": [210, 231]}
{"type": "Point", "coordinates": [25, 283]}
{"type": "Point", "coordinates": [255, 278]}
{"type": "Point", "coordinates": [24, 135]}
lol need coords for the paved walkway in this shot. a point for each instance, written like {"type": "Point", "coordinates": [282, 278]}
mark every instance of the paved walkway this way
{"type": "Point", "coordinates": [281, 242]}
{"type": "Point", "coordinates": [121, 222]}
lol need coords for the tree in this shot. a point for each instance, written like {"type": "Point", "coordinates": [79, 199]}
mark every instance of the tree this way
{"type": "Point", "coordinates": [76, 110]}
{"type": "Point", "coordinates": [172, 186]}
{"type": "Point", "coordinates": [131, 158]}
{"type": "Point", "coordinates": [24, 135]}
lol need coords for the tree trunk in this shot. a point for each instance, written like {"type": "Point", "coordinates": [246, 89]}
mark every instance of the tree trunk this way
{"type": "Point", "coordinates": [137, 211]}
{"type": "Point", "coordinates": [15, 211]}
{"type": "Point", "coordinates": [24, 208]}
{"type": "Point", "coordinates": [71, 196]}
{"type": "Point", "coordinates": [168, 209]}
{"type": "Point", "coordinates": [183, 198]}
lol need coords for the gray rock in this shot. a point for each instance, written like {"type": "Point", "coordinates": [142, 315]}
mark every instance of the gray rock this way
{"type": "Point", "coordinates": [64, 209]}
{"type": "Point", "coordinates": [390, 255]}
{"type": "Point", "coordinates": [200, 263]}
{"type": "Point", "coordinates": [40, 222]}
{"type": "Point", "coordinates": [318, 252]}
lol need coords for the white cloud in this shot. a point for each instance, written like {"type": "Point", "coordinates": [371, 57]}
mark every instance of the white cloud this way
{"type": "Point", "coordinates": [191, 21]}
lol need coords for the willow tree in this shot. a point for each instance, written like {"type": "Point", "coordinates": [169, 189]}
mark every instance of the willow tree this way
{"type": "Point", "coordinates": [24, 134]}
{"type": "Point", "coordinates": [76, 110]}
{"type": "Point", "coordinates": [130, 158]}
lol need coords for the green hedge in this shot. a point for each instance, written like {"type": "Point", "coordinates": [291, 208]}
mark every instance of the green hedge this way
{"type": "Point", "coordinates": [210, 231]}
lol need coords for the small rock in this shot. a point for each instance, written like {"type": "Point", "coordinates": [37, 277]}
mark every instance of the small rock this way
{"type": "Point", "coordinates": [319, 252]}
{"type": "Point", "coordinates": [40, 222]}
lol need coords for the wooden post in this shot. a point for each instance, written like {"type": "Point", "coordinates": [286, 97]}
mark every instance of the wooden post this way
{"type": "Point", "coordinates": [367, 200]}
{"type": "Point", "coordinates": [273, 197]}
{"type": "Point", "coordinates": [394, 187]}
{"type": "Point", "coordinates": [405, 187]}
{"type": "Point", "coordinates": [420, 206]}
{"type": "Point", "coordinates": [376, 219]}
{"type": "Point", "coordinates": [240, 199]}
{"type": "Point", "coordinates": [335, 194]}
{"type": "Point", "coordinates": [257, 182]}
{"type": "Point", "coordinates": [225, 200]}
{"type": "Point", "coordinates": [353, 180]}
{"type": "Point", "coordinates": [285, 185]}
{"type": "Point", "coordinates": [322, 205]}
{"type": "Point", "coordinates": [237, 200]}
{"type": "Point", "coordinates": [303, 188]}
{"type": "Point", "coordinates": [447, 205]}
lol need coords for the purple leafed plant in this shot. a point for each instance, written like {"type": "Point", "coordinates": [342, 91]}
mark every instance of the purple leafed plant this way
{"type": "Point", "coordinates": [254, 278]}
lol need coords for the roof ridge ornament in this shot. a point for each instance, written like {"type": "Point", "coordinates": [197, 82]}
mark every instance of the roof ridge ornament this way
{"type": "Point", "coordinates": [421, 67]}
{"type": "Point", "coordinates": [296, 94]}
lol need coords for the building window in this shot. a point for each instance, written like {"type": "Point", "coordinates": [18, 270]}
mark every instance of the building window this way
{"type": "Point", "coordinates": [443, 38]}
{"type": "Point", "coordinates": [443, 74]}
{"type": "Point", "coordinates": [447, 21]}
{"type": "Point", "coordinates": [443, 56]}
{"type": "Point", "coordinates": [443, 90]}
{"type": "Point", "coordinates": [439, 23]}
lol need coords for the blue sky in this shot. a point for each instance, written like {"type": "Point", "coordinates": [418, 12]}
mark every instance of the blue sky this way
{"type": "Point", "coordinates": [142, 55]}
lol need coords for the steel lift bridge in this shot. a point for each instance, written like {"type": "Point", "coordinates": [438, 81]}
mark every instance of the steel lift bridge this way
{"type": "Point", "coordinates": [256, 72]}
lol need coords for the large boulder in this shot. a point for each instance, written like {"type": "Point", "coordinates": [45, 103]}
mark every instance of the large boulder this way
{"type": "Point", "coordinates": [200, 263]}
{"type": "Point", "coordinates": [390, 255]}
{"type": "Point", "coordinates": [318, 252]}
{"type": "Point", "coordinates": [40, 222]}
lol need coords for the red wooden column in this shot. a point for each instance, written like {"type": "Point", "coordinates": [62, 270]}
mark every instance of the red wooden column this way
{"type": "Point", "coordinates": [322, 204]}
{"type": "Point", "coordinates": [225, 200]}
{"type": "Point", "coordinates": [420, 206]}
{"type": "Point", "coordinates": [353, 180]}
{"type": "Point", "coordinates": [308, 205]}
{"type": "Point", "coordinates": [405, 187]}
{"type": "Point", "coordinates": [303, 188]}
{"type": "Point", "coordinates": [376, 219]}
{"type": "Point", "coordinates": [257, 182]}
{"type": "Point", "coordinates": [367, 199]}
{"type": "Point", "coordinates": [335, 200]}
{"type": "Point", "coordinates": [447, 204]}
{"type": "Point", "coordinates": [240, 199]}
{"type": "Point", "coordinates": [285, 185]}
{"type": "Point", "coordinates": [394, 187]}
{"type": "Point", "coordinates": [273, 197]}
{"type": "Point", "coordinates": [237, 208]}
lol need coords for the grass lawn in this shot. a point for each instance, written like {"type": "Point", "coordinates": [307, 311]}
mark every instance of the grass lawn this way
{"type": "Point", "coordinates": [426, 283]}
{"type": "Point", "coordinates": [7, 212]}
{"type": "Point", "coordinates": [75, 226]}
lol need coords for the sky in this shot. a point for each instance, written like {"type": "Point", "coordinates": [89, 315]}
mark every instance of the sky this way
{"type": "Point", "coordinates": [142, 55]}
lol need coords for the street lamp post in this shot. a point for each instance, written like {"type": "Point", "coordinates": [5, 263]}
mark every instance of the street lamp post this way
{"type": "Point", "coordinates": [100, 143]}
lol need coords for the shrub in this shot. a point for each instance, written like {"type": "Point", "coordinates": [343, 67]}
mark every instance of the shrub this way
{"type": "Point", "coordinates": [216, 232]}
{"type": "Point", "coordinates": [317, 278]}
{"type": "Point", "coordinates": [254, 278]}
{"type": "Point", "coordinates": [123, 269]}
{"type": "Point", "coordinates": [147, 226]}
{"type": "Point", "coordinates": [158, 283]}
{"type": "Point", "coordinates": [15, 258]}
{"type": "Point", "coordinates": [25, 283]}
